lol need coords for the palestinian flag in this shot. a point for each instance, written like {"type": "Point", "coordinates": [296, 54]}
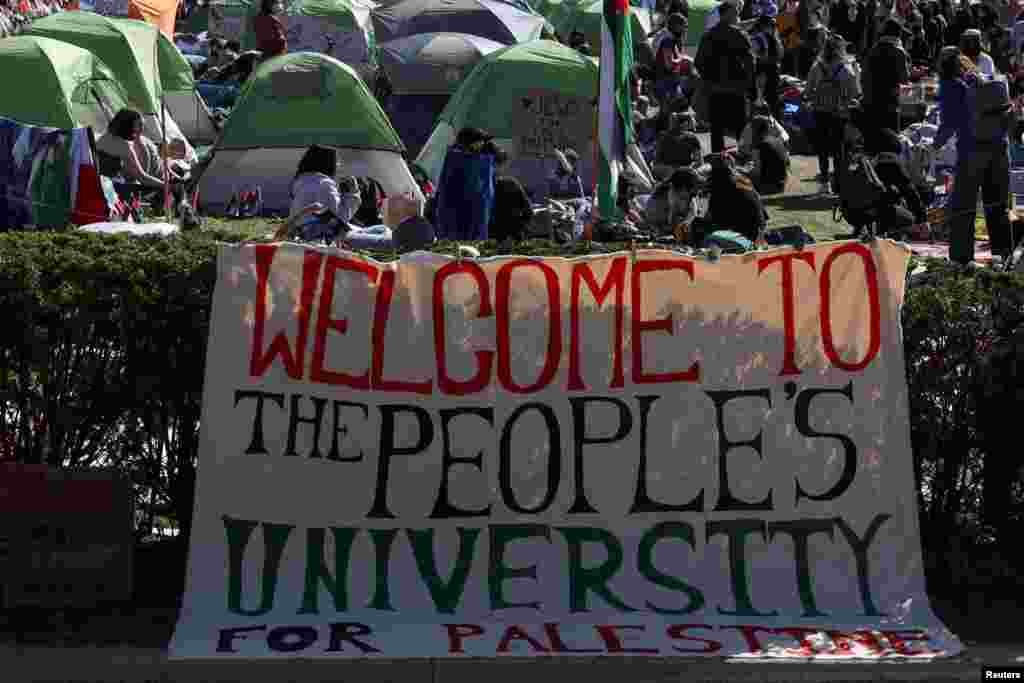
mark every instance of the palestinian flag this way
{"type": "Point", "coordinates": [615, 108]}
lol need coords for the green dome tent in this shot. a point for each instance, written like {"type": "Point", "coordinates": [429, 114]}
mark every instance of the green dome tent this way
{"type": "Point", "coordinates": [54, 84]}
{"type": "Point", "coordinates": [290, 103]}
{"type": "Point", "coordinates": [506, 95]}
{"type": "Point", "coordinates": [128, 47]}
{"type": "Point", "coordinates": [533, 98]}
{"type": "Point", "coordinates": [337, 28]}
{"type": "Point", "coordinates": [586, 17]}
{"type": "Point", "coordinates": [146, 62]}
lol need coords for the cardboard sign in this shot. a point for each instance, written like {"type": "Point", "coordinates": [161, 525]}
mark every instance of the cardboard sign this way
{"type": "Point", "coordinates": [546, 120]}
{"type": "Point", "coordinates": [643, 454]}
{"type": "Point", "coordinates": [292, 81]}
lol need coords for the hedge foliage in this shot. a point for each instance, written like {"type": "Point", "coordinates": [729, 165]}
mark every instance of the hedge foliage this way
{"type": "Point", "coordinates": [103, 347]}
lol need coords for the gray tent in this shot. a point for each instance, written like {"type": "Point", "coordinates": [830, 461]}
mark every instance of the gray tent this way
{"type": "Point", "coordinates": [491, 19]}
{"type": "Point", "coordinates": [432, 63]}
{"type": "Point", "coordinates": [424, 70]}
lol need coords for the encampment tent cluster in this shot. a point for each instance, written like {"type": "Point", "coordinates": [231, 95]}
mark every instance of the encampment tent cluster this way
{"type": "Point", "coordinates": [129, 62]}
{"type": "Point", "coordinates": [447, 64]}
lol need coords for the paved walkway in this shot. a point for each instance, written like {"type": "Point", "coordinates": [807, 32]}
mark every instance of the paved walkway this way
{"type": "Point", "coordinates": [137, 665]}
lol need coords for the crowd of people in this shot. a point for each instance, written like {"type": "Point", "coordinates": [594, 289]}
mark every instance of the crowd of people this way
{"type": "Point", "coordinates": [851, 58]}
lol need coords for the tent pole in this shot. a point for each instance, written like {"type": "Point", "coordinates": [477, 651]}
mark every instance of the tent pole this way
{"type": "Point", "coordinates": [163, 131]}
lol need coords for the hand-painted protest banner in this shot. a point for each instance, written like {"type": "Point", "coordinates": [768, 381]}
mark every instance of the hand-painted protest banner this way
{"type": "Point", "coordinates": [642, 454]}
{"type": "Point", "coordinates": [548, 120]}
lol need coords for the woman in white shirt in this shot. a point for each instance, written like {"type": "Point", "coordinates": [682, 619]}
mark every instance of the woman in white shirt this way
{"type": "Point", "coordinates": [320, 207]}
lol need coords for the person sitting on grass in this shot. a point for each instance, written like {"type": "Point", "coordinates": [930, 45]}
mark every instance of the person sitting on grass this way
{"type": "Point", "coordinates": [321, 207]}
{"type": "Point", "coordinates": [770, 158]}
{"type": "Point", "coordinates": [565, 183]}
{"type": "Point", "coordinates": [734, 204]}
{"type": "Point", "coordinates": [671, 210]}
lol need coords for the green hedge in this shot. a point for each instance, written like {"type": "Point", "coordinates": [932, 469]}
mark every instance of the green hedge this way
{"type": "Point", "coordinates": [103, 346]}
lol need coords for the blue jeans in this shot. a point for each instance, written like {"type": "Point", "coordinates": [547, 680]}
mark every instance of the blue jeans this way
{"type": "Point", "coordinates": [986, 166]}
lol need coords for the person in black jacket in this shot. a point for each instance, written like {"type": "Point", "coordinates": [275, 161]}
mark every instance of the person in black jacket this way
{"type": "Point", "coordinates": [848, 20]}
{"type": "Point", "coordinates": [886, 68]}
{"type": "Point", "coordinates": [512, 210]}
{"type": "Point", "coordinates": [725, 61]}
{"type": "Point", "coordinates": [734, 204]}
{"type": "Point", "coordinates": [769, 51]}
{"type": "Point", "coordinates": [771, 158]}
{"type": "Point", "coordinates": [902, 207]}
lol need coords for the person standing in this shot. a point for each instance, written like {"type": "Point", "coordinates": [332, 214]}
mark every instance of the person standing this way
{"type": "Point", "coordinates": [811, 49]}
{"type": "Point", "coordinates": [768, 50]}
{"type": "Point", "coordinates": [848, 19]}
{"type": "Point", "coordinates": [270, 36]}
{"type": "Point", "coordinates": [725, 61]}
{"type": "Point", "coordinates": [669, 56]}
{"type": "Point", "coordinates": [832, 91]}
{"type": "Point", "coordinates": [886, 68]}
{"type": "Point", "coordinates": [981, 162]}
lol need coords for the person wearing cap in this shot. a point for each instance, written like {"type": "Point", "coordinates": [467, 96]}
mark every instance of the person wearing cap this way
{"type": "Point", "coordinates": [970, 45]}
{"type": "Point", "coordinates": [886, 68]}
{"type": "Point", "coordinates": [979, 163]}
{"type": "Point", "coordinates": [725, 62]}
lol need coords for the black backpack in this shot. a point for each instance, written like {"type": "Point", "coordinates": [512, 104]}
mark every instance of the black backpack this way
{"type": "Point", "coordinates": [860, 188]}
{"type": "Point", "coordinates": [991, 109]}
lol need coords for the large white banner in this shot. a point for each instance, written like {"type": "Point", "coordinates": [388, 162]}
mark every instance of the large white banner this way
{"type": "Point", "coordinates": [630, 454]}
